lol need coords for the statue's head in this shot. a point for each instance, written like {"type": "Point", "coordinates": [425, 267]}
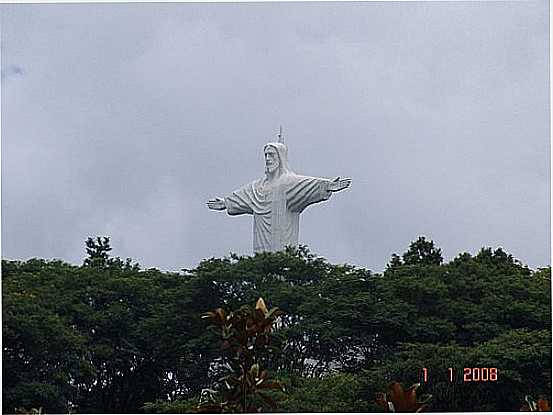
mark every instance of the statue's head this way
{"type": "Point", "coordinates": [272, 160]}
{"type": "Point", "coordinates": [276, 158]}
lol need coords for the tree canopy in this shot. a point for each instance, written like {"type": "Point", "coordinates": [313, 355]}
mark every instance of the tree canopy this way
{"type": "Point", "coordinates": [109, 336]}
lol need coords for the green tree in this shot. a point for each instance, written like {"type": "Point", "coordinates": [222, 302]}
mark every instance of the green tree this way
{"type": "Point", "coordinates": [340, 392]}
{"type": "Point", "coordinates": [422, 252]}
{"type": "Point", "coordinates": [98, 252]}
{"type": "Point", "coordinates": [114, 337]}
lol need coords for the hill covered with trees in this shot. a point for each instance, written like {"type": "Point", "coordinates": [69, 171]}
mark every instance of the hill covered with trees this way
{"type": "Point", "coordinates": [109, 336]}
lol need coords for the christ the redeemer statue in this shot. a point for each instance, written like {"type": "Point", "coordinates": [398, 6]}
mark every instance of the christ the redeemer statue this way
{"type": "Point", "coordinates": [276, 200]}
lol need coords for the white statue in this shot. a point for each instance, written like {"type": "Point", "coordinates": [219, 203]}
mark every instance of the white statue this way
{"type": "Point", "coordinates": [276, 200]}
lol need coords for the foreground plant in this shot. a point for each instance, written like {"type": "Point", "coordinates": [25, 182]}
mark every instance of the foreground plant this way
{"type": "Point", "coordinates": [246, 335]}
{"type": "Point", "coordinates": [541, 405]}
{"type": "Point", "coordinates": [399, 400]}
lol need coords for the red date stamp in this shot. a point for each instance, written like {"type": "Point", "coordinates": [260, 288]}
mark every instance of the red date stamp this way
{"type": "Point", "coordinates": [480, 374]}
{"type": "Point", "coordinates": [470, 374]}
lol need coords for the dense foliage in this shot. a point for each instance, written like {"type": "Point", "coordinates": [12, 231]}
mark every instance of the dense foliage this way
{"type": "Point", "coordinates": [109, 336]}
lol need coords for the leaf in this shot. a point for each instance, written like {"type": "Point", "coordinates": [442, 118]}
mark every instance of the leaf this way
{"type": "Point", "coordinates": [272, 385]}
{"type": "Point", "coordinates": [544, 405]}
{"type": "Point", "coordinates": [260, 305]}
{"type": "Point", "coordinates": [402, 400]}
{"type": "Point", "coordinates": [397, 395]}
{"type": "Point", "coordinates": [220, 315]}
{"type": "Point", "coordinates": [411, 396]}
{"type": "Point", "coordinates": [254, 371]}
{"type": "Point", "coordinates": [274, 313]}
{"type": "Point", "coordinates": [381, 400]}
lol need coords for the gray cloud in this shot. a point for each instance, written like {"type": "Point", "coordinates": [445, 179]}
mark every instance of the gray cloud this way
{"type": "Point", "coordinates": [11, 71]}
{"type": "Point", "coordinates": [135, 114]}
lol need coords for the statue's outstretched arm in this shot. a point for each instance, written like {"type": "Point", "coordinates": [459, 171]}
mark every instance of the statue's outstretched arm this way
{"type": "Point", "coordinates": [339, 184]}
{"type": "Point", "coordinates": [308, 190]}
{"type": "Point", "coordinates": [239, 202]}
{"type": "Point", "coordinates": [216, 204]}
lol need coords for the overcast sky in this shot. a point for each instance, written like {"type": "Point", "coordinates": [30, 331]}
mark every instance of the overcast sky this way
{"type": "Point", "coordinates": [124, 119]}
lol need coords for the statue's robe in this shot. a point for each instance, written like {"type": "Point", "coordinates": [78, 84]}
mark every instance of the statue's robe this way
{"type": "Point", "coordinates": [276, 213]}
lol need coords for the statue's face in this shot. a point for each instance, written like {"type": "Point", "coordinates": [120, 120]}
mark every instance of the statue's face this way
{"type": "Point", "coordinates": [271, 159]}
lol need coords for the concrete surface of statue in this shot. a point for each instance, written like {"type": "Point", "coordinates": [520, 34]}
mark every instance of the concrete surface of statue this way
{"type": "Point", "coordinates": [277, 199]}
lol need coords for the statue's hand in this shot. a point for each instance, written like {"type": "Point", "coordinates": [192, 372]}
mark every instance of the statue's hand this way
{"type": "Point", "coordinates": [216, 204]}
{"type": "Point", "coordinates": [339, 184]}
